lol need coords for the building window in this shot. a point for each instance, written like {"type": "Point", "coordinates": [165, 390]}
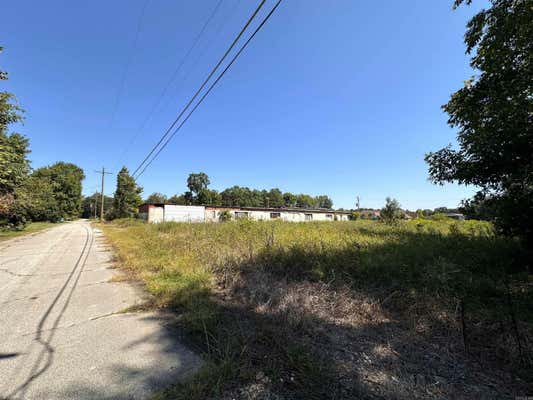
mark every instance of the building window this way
{"type": "Point", "coordinates": [275, 215]}
{"type": "Point", "coordinates": [308, 217]}
{"type": "Point", "coordinates": [329, 216]}
{"type": "Point", "coordinates": [241, 214]}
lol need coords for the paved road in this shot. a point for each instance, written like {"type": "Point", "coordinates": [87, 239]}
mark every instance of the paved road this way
{"type": "Point", "coordinates": [60, 334]}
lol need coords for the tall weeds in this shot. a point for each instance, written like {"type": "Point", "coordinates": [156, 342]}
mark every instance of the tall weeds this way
{"type": "Point", "coordinates": [268, 303]}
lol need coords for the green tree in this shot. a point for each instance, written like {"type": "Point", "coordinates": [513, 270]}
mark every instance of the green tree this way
{"type": "Point", "coordinates": [127, 197]}
{"type": "Point", "coordinates": [478, 207]}
{"type": "Point", "coordinates": [156, 198]}
{"type": "Point", "coordinates": [493, 113]}
{"type": "Point", "coordinates": [92, 202]}
{"type": "Point", "coordinates": [209, 197]}
{"type": "Point", "coordinates": [65, 181]}
{"type": "Point", "coordinates": [36, 199]}
{"type": "Point", "coordinates": [257, 198]}
{"type": "Point", "coordinates": [445, 210]}
{"type": "Point", "coordinates": [427, 212]}
{"type": "Point", "coordinates": [14, 164]}
{"type": "Point", "coordinates": [391, 213]}
{"type": "Point", "coordinates": [289, 199]}
{"type": "Point", "coordinates": [275, 198]}
{"type": "Point", "coordinates": [305, 201]}
{"type": "Point", "coordinates": [324, 201]}
{"type": "Point", "coordinates": [196, 182]}
{"type": "Point", "coordinates": [178, 200]}
{"type": "Point", "coordinates": [189, 198]}
{"type": "Point", "coordinates": [236, 196]}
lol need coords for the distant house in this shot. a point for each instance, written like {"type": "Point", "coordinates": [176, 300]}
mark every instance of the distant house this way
{"type": "Point", "coordinates": [410, 214]}
{"type": "Point", "coordinates": [170, 212]}
{"type": "Point", "coordinates": [368, 213]}
{"type": "Point", "coordinates": [457, 216]}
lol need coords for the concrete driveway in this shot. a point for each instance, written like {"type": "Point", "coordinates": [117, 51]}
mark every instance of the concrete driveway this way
{"type": "Point", "coordinates": [61, 333]}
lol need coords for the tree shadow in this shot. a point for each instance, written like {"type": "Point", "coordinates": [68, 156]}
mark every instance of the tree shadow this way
{"type": "Point", "coordinates": [8, 355]}
{"type": "Point", "coordinates": [141, 365]}
{"type": "Point", "coordinates": [43, 336]}
{"type": "Point", "coordinates": [367, 320]}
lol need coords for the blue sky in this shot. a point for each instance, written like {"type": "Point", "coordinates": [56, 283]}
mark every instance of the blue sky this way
{"type": "Point", "coordinates": [340, 98]}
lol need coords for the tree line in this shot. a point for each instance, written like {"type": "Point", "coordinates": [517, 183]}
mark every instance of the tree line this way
{"type": "Point", "coordinates": [238, 196]}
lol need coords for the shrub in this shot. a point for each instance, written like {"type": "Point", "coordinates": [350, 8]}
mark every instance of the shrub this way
{"type": "Point", "coordinates": [439, 217]}
{"type": "Point", "coordinates": [224, 215]}
{"type": "Point", "coordinates": [391, 213]}
{"type": "Point", "coordinates": [354, 216]}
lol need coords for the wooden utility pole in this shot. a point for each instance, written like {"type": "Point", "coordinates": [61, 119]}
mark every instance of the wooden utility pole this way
{"type": "Point", "coordinates": [103, 172]}
{"type": "Point", "coordinates": [95, 204]}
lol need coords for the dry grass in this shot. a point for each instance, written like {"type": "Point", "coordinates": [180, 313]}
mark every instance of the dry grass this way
{"type": "Point", "coordinates": [339, 310]}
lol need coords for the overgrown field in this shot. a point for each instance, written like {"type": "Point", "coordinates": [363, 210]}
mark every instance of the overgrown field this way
{"type": "Point", "coordinates": [424, 309]}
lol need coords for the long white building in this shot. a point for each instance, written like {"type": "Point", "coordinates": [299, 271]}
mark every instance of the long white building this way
{"type": "Point", "coordinates": [170, 212]}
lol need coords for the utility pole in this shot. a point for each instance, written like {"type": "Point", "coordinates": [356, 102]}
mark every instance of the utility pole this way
{"type": "Point", "coordinates": [103, 172]}
{"type": "Point", "coordinates": [95, 204]}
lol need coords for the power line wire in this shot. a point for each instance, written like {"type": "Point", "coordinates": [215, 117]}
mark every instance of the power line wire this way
{"type": "Point", "coordinates": [201, 87]}
{"type": "Point", "coordinates": [210, 88]}
{"type": "Point", "coordinates": [128, 64]}
{"type": "Point", "coordinates": [172, 77]}
{"type": "Point", "coordinates": [209, 45]}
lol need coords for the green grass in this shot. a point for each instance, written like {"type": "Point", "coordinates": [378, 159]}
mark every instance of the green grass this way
{"type": "Point", "coordinates": [238, 289]}
{"type": "Point", "coordinates": [32, 227]}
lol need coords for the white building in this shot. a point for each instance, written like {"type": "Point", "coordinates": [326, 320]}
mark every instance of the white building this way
{"type": "Point", "coordinates": [170, 212]}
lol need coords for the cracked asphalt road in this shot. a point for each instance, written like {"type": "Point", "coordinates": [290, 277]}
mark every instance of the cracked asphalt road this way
{"type": "Point", "coordinates": [62, 335]}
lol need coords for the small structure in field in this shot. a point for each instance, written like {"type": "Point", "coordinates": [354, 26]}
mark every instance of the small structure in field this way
{"type": "Point", "coordinates": [171, 212]}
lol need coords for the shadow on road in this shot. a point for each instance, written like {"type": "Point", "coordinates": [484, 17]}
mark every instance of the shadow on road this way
{"type": "Point", "coordinates": [46, 355]}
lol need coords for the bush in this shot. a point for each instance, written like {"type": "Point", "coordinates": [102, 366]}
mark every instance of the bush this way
{"type": "Point", "coordinates": [224, 216]}
{"type": "Point", "coordinates": [439, 217]}
{"type": "Point", "coordinates": [354, 216]}
{"type": "Point", "coordinates": [391, 213]}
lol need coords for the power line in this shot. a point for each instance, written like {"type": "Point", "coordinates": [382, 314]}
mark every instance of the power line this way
{"type": "Point", "coordinates": [210, 88]}
{"type": "Point", "coordinates": [172, 77]}
{"type": "Point", "coordinates": [201, 87]}
{"type": "Point", "coordinates": [128, 64]}
{"type": "Point", "coordinates": [209, 45]}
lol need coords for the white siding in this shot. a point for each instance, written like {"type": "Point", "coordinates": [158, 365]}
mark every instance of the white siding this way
{"type": "Point", "coordinates": [177, 213]}
{"type": "Point", "coordinates": [156, 214]}
{"type": "Point", "coordinates": [184, 213]}
{"type": "Point", "coordinates": [259, 215]}
{"type": "Point", "coordinates": [284, 215]}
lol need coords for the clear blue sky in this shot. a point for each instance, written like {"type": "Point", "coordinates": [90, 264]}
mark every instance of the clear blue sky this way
{"type": "Point", "coordinates": [340, 98]}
